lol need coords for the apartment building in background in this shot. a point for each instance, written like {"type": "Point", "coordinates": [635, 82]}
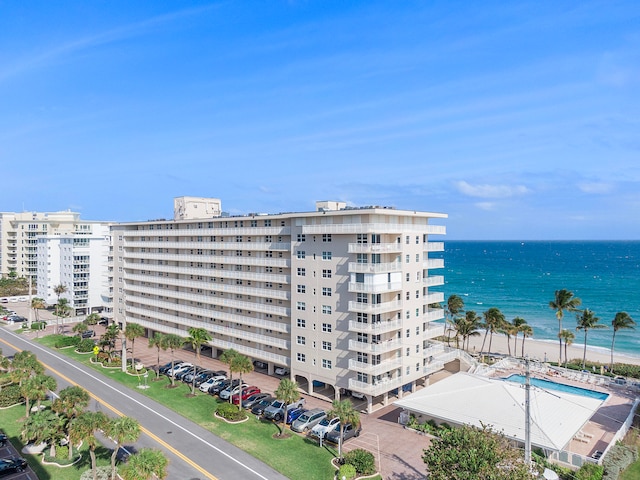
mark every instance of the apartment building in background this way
{"type": "Point", "coordinates": [344, 297]}
{"type": "Point", "coordinates": [19, 233]}
{"type": "Point", "coordinates": [81, 263]}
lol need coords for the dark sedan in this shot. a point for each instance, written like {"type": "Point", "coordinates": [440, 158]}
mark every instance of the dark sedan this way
{"type": "Point", "coordinates": [348, 431]}
{"type": "Point", "coordinates": [12, 465]}
{"type": "Point", "coordinates": [258, 408]}
{"type": "Point", "coordinates": [253, 399]}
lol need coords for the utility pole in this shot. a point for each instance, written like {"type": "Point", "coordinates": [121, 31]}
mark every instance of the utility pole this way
{"type": "Point", "coordinates": [29, 305]}
{"type": "Point", "coordinates": [527, 414]}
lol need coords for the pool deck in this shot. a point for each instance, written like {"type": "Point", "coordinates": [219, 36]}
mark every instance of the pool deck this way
{"type": "Point", "coordinates": [600, 430]}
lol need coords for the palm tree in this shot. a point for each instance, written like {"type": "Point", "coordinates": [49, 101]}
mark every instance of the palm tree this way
{"type": "Point", "coordinates": [92, 319]}
{"type": "Point", "coordinates": [83, 429]}
{"type": "Point", "coordinates": [587, 321]}
{"type": "Point", "coordinates": [25, 365]}
{"type": "Point", "coordinates": [493, 319]}
{"type": "Point", "coordinates": [43, 426]}
{"type": "Point", "coordinates": [131, 332]}
{"type": "Point", "coordinates": [347, 414]}
{"type": "Point", "coordinates": [288, 393]}
{"type": "Point", "coordinates": [37, 304]}
{"type": "Point", "coordinates": [227, 357]}
{"type": "Point", "coordinates": [508, 329]}
{"type": "Point", "coordinates": [71, 402]}
{"type": "Point", "coordinates": [157, 342]}
{"type": "Point", "coordinates": [120, 430]}
{"type": "Point", "coordinates": [80, 328]}
{"type": "Point", "coordinates": [108, 339]}
{"type": "Point", "coordinates": [454, 305]}
{"type": "Point", "coordinates": [146, 464]}
{"type": "Point", "coordinates": [58, 290]}
{"type": "Point", "coordinates": [563, 301]}
{"type": "Point", "coordinates": [517, 322]}
{"type": "Point", "coordinates": [172, 342]}
{"type": "Point", "coordinates": [37, 388]}
{"type": "Point", "coordinates": [241, 364]}
{"type": "Point", "coordinates": [568, 337]}
{"type": "Point", "coordinates": [197, 337]}
{"type": "Point", "coordinates": [621, 321]}
{"type": "Point", "coordinates": [527, 331]}
{"type": "Point", "coordinates": [470, 327]}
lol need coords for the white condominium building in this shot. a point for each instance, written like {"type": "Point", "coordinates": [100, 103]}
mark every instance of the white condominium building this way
{"type": "Point", "coordinates": [19, 233]}
{"type": "Point", "coordinates": [341, 296]}
{"type": "Point", "coordinates": [79, 262]}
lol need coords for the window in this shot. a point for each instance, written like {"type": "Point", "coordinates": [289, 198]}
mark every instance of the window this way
{"type": "Point", "coordinates": [326, 363]}
{"type": "Point", "coordinates": [326, 291]}
{"type": "Point", "coordinates": [375, 258]}
{"type": "Point", "coordinates": [268, 254]}
{"type": "Point", "coordinates": [326, 327]}
{"type": "Point", "coordinates": [362, 258]}
{"type": "Point", "coordinates": [417, 348]}
{"type": "Point", "coordinates": [361, 238]}
{"type": "Point", "coordinates": [362, 357]}
{"type": "Point", "coordinates": [406, 259]}
{"type": "Point", "coordinates": [417, 312]}
{"type": "Point", "coordinates": [301, 306]}
{"type": "Point", "coordinates": [326, 273]}
{"type": "Point", "coordinates": [417, 293]}
{"type": "Point", "coordinates": [407, 276]}
{"type": "Point", "coordinates": [326, 255]}
{"type": "Point", "coordinates": [408, 295]}
{"type": "Point", "coordinates": [407, 240]}
{"type": "Point", "coordinates": [326, 237]}
{"type": "Point", "coordinates": [302, 289]}
{"type": "Point", "coordinates": [408, 351]}
{"type": "Point", "coordinates": [362, 298]}
{"type": "Point", "coordinates": [408, 333]}
{"type": "Point", "coordinates": [303, 271]}
{"type": "Point", "coordinates": [407, 313]}
{"type": "Point", "coordinates": [301, 237]}
{"type": "Point", "coordinates": [417, 239]}
{"type": "Point", "coordinates": [267, 223]}
{"type": "Point", "coordinates": [362, 317]}
{"type": "Point", "coordinates": [301, 357]}
{"type": "Point", "coordinates": [301, 254]}
{"type": "Point", "coordinates": [300, 340]}
{"type": "Point", "coordinates": [326, 345]}
{"type": "Point", "coordinates": [363, 377]}
{"type": "Point", "coordinates": [302, 323]}
{"type": "Point", "coordinates": [326, 309]}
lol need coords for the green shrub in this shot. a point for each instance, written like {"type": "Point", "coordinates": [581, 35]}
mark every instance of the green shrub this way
{"type": "Point", "coordinates": [363, 461]}
{"type": "Point", "coordinates": [589, 471]}
{"type": "Point", "coordinates": [85, 346]}
{"type": "Point", "coordinates": [62, 452]}
{"type": "Point", "coordinates": [63, 342]}
{"type": "Point", "coordinates": [617, 460]}
{"type": "Point", "coordinates": [347, 471]}
{"type": "Point", "coordinates": [230, 412]}
{"type": "Point", "coordinates": [10, 395]}
{"type": "Point", "coordinates": [38, 325]}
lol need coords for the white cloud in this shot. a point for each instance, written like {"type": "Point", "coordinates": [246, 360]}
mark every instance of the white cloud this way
{"type": "Point", "coordinates": [490, 191]}
{"type": "Point", "coordinates": [485, 205]}
{"type": "Point", "coordinates": [595, 187]}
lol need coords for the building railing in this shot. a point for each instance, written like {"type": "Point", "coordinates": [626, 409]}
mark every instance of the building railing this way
{"type": "Point", "coordinates": [374, 267]}
{"type": "Point", "coordinates": [433, 367]}
{"type": "Point", "coordinates": [433, 263]}
{"type": "Point", "coordinates": [208, 272]}
{"type": "Point", "coordinates": [371, 369]}
{"type": "Point", "coordinates": [381, 347]}
{"type": "Point", "coordinates": [376, 327]}
{"type": "Point", "coordinates": [353, 228]}
{"type": "Point", "coordinates": [433, 280]}
{"type": "Point", "coordinates": [207, 245]}
{"type": "Point", "coordinates": [378, 388]}
{"type": "Point", "coordinates": [208, 231]}
{"type": "Point", "coordinates": [434, 247]}
{"type": "Point", "coordinates": [374, 247]}
{"type": "Point", "coordinates": [358, 287]}
{"type": "Point", "coordinates": [374, 308]}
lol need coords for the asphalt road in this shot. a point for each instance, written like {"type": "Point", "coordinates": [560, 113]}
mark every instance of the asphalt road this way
{"type": "Point", "coordinates": [194, 453]}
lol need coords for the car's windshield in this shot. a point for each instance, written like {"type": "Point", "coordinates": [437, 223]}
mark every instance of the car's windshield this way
{"type": "Point", "coordinates": [324, 422]}
{"type": "Point", "coordinates": [278, 404]}
{"type": "Point", "coordinates": [303, 418]}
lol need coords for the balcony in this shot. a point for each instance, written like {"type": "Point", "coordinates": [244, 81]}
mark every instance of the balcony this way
{"type": "Point", "coordinates": [435, 297]}
{"type": "Point", "coordinates": [434, 247]}
{"type": "Point", "coordinates": [433, 281]}
{"type": "Point", "coordinates": [353, 228]}
{"type": "Point", "coordinates": [373, 308]}
{"type": "Point", "coordinates": [375, 267]}
{"type": "Point", "coordinates": [383, 367]}
{"type": "Point", "coordinates": [375, 247]}
{"type": "Point", "coordinates": [359, 287]}
{"type": "Point", "coordinates": [382, 386]}
{"type": "Point", "coordinates": [433, 263]}
{"type": "Point", "coordinates": [433, 367]}
{"type": "Point", "coordinates": [381, 347]}
{"type": "Point", "coordinates": [375, 328]}
{"type": "Point", "coordinates": [433, 350]}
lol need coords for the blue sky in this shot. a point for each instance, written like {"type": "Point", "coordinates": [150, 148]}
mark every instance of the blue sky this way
{"type": "Point", "coordinates": [520, 120]}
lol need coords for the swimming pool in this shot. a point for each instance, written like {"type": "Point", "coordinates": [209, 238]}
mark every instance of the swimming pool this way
{"type": "Point", "coordinates": [560, 387]}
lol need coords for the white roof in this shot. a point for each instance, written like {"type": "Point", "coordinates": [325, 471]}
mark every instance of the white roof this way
{"type": "Point", "coordinates": [464, 398]}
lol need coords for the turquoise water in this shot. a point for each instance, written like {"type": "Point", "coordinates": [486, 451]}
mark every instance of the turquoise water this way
{"type": "Point", "coordinates": [559, 387]}
{"type": "Point", "coordinates": [520, 279]}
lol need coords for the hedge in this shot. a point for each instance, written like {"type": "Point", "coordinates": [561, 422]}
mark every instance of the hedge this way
{"type": "Point", "coordinates": [10, 395]}
{"type": "Point", "coordinates": [63, 342]}
{"type": "Point", "coordinates": [231, 412]}
{"type": "Point", "coordinates": [362, 460]}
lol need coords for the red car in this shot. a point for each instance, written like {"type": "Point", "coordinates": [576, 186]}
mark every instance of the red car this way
{"type": "Point", "coordinates": [246, 393]}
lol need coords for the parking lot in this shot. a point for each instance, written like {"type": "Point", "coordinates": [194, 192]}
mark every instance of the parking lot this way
{"type": "Point", "coordinates": [8, 451]}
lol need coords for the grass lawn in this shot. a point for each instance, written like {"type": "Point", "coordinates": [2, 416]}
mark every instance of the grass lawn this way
{"type": "Point", "coordinates": [253, 436]}
{"type": "Point", "coordinates": [631, 473]}
{"type": "Point", "coordinates": [11, 420]}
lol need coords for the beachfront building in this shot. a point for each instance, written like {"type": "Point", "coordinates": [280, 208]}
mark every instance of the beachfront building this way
{"type": "Point", "coordinates": [342, 297]}
{"type": "Point", "coordinates": [80, 262]}
{"type": "Point", "coordinates": [19, 233]}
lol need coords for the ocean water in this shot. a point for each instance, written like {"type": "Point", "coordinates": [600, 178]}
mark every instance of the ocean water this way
{"type": "Point", "coordinates": [520, 278]}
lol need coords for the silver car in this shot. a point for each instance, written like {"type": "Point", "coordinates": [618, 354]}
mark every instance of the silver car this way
{"type": "Point", "coordinates": [308, 420]}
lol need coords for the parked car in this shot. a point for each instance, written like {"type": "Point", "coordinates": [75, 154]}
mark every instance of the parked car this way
{"type": "Point", "coordinates": [358, 395]}
{"type": "Point", "coordinates": [348, 431]}
{"type": "Point", "coordinates": [231, 390]}
{"type": "Point", "coordinates": [103, 321]}
{"type": "Point", "coordinates": [292, 415]}
{"type": "Point", "coordinates": [167, 366]}
{"type": "Point", "coordinates": [12, 465]}
{"type": "Point", "coordinates": [253, 399]}
{"type": "Point", "coordinates": [216, 389]}
{"type": "Point", "coordinates": [203, 376]}
{"type": "Point", "coordinates": [180, 368]}
{"type": "Point", "coordinates": [88, 334]}
{"type": "Point", "coordinates": [260, 365]}
{"type": "Point", "coordinates": [15, 319]}
{"type": "Point", "coordinates": [282, 371]}
{"type": "Point", "coordinates": [258, 407]}
{"type": "Point", "coordinates": [3, 439]}
{"type": "Point", "coordinates": [187, 377]}
{"type": "Point", "coordinates": [308, 420]}
{"type": "Point", "coordinates": [325, 425]}
{"type": "Point", "coordinates": [246, 393]}
{"type": "Point", "coordinates": [206, 385]}
{"type": "Point", "coordinates": [278, 409]}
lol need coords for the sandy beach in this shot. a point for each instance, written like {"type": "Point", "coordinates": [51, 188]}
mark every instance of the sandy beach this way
{"type": "Point", "coordinates": [541, 349]}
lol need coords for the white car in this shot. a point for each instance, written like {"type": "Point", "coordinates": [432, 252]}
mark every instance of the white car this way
{"type": "Point", "coordinates": [179, 368]}
{"type": "Point", "coordinates": [228, 392]}
{"type": "Point", "coordinates": [282, 371]}
{"type": "Point", "coordinates": [325, 425]}
{"type": "Point", "coordinates": [204, 386]}
{"type": "Point", "coordinates": [358, 395]}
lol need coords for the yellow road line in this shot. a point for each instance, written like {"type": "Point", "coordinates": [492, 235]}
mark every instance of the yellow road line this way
{"type": "Point", "coordinates": [117, 412]}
